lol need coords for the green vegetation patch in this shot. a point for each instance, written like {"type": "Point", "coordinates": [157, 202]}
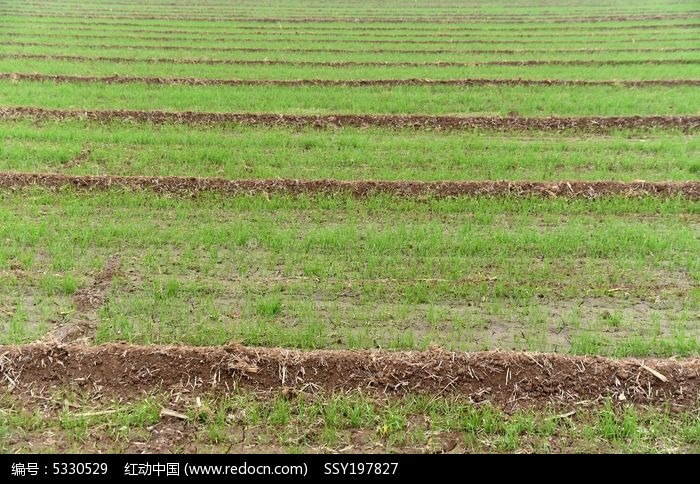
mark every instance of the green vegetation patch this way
{"type": "Point", "coordinates": [244, 422]}
{"type": "Point", "coordinates": [613, 276]}
{"type": "Point", "coordinates": [455, 100]}
{"type": "Point", "coordinates": [236, 152]}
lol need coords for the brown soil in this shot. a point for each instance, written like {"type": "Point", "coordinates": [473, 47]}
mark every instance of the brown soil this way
{"type": "Point", "coordinates": [331, 36]}
{"type": "Point", "coordinates": [346, 51]}
{"type": "Point", "coordinates": [276, 32]}
{"type": "Point", "coordinates": [192, 185]}
{"type": "Point", "coordinates": [443, 19]}
{"type": "Point", "coordinates": [516, 63]}
{"type": "Point", "coordinates": [193, 81]}
{"type": "Point", "coordinates": [461, 29]}
{"type": "Point", "coordinates": [465, 41]}
{"type": "Point", "coordinates": [508, 380]}
{"type": "Point", "coordinates": [348, 8]}
{"type": "Point", "coordinates": [92, 24]}
{"type": "Point", "coordinates": [443, 37]}
{"type": "Point", "coordinates": [81, 327]}
{"type": "Point", "coordinates": [93, 296]}
{"type": "Point", "coordinates": [591, 124]}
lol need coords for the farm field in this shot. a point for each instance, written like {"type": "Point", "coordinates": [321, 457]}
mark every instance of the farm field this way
{"type": "Point", "coordinates": [320, 226]}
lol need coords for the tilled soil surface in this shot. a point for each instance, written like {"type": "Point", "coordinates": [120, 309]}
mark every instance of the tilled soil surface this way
{"type": "Point", "coordinates": [442, 19]}
{"type": "Point", "coordinates": [450, 37]}
{"type": "Point", "coordinates": [508, 380]}
{"type": "Point", "coordinates": [194, 81]}
{"type": "Point", "coordinates": [223, 37]}
{"type": "Point", "coordinates": [93, 23]}
{"type": "Point", "coordinates": [341, 51]}
{"type": "Point", "coordinates": [192, 185]}
{"type": "Point", "coordinates": [592, 124]}
{"type": "Point", "coordinates": [516, 63]}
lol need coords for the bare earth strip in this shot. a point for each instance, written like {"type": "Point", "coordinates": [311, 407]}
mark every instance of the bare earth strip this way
{"type": "Point", "coordinates": [331, 36]}
{"type": "Point", "coordinates": [184, 35]}
{"type": "Point", "coordinates": [523, 63]}
{"type": "Point", "coordinates": [363, 40]}
{"type": "Point", "coordinates": [505, 379]}
{"type": "Point", "coordinates": [593, 124]}
{"type": "Point", "coordinates": [454, 19]}
{"type": "Point", "coordinates": [349, 51]}
{"type": "Point", "coordinates": [192, 185]}
{"type": "Point", "coordinates": [93, 23]}
{"type": "Point", "coordinates": [194, 81]}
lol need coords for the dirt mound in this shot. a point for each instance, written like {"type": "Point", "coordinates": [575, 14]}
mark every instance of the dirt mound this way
{"type": "Point", "coordinates": [346, 51]}
{"type": "Point", "coordinates": [586, 50]}
{"type": "Point", "coordinates": [452, 19]}
{"type": "Point", "coordinates": [509, 380]}
{"type": "Point", "coordinates": [95, 24]}
{"type": "Point", "coordinates": [247, 62]}
{"type": "Point", "coordinates": [320, 35]}
{"type": "Point", "coordinates": [161, 28]}
{"type": "Point", "coordinates": [194, 81]}
{"type": "Point", "coordinates": [413, 41]}
{"type": "Point", "coordinates": [592, 124]}
{"type": "Point", "coordinates": [190, 186]}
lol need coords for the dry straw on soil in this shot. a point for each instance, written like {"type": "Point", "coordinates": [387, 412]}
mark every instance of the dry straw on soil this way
{"type": "Point", "coordinates": [592, 124]}
{"type": "Point", "coordinates": [245, 62]}
{"type": "Point", "coordinates": [192, 185]}
{"type": "Point", "coordinates": [452, 19]}
{"type": "Point", "coordinates": [195, 81]}
{"type": "Point", "coordinates": [508, 380]}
